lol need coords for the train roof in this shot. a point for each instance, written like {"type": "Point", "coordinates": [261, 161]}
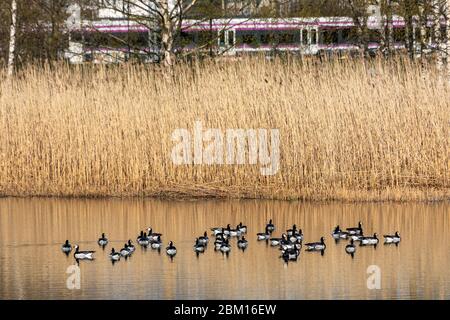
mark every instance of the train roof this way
{"type": "Point", "coordinates": [241, 24]}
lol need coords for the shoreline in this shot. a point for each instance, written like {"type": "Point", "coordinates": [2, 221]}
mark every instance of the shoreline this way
{"type": "Point", "coordinates": [376, 196]}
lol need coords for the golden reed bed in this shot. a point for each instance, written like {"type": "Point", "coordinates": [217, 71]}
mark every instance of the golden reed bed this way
{"type": "Point", "coordinates": [348, 130]}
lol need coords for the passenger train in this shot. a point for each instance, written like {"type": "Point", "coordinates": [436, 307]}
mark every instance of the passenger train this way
{"type": "Point", "coordinates": [112, 41]}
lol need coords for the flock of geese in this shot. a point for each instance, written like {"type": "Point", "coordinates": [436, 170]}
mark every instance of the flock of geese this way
{"type": "Point", "coordinates": [290, 242]}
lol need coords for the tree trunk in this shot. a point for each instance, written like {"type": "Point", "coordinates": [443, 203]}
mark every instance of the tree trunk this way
{"type": "Point", "coordinates": [437, 35]}
{"type": "Point", "coordinates": [423, 30]}
{"type": "Point", "coordinates": [389, 27]}
{"type": "Point", "coordinates": [167, 35]}
{"type": "Point", "coordinates": [447, 24]}
{"type": "Point", "coordinates": [12, 38]}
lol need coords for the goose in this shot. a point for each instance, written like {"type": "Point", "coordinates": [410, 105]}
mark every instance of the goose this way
{"type": "Point", "coordinates": [124, 252]}
{"type": "Point", "coordinates": [297, 236]}
{"type": "Point", "coordinates": [80, 255]}
{"type": "Point", "coordinates": [355, 230]}
{"type": "Point", "coordinates": [291, 246]}
{"type": "Point", "coordinates": [218, 242]}
{"type": "Point", "coordinates": [225, 247]}
{"type": "Point", "coordinates": [270, 227]}
{"type": "Point", "coordinates": [66, 247]}
{"type": "Point", "coordinates": [115, 256]}
{"type": "Point", "coordinates": [171, 250]}
{"type": "Point", "coordinates": [204, 239]}
{"type": "Point", "coordinates": [102, 241]}
{"type": "Point", "coordinates": [338, 233]}
{"type": "Point", "coordinates": [392, 238]}
{"type": "Point", "coordinates": [265, 235]}
{"type": "Point", "coordinates": [291, 254]}
{"type": "Point", "coordinates": [316, 245]}
{"type": "Point", "coordinates": [370, 240]}
{"type": "Point", "coordinates": [277, 241]}
{"type": "Point", "coordinates": [350, 248]}
{"type": "Point", "coordinates": [242, 243]}
{"type": "Point", "coordinates": [199, 247]}
{"type": "Point", "coordinates": [242, 228]}
{"type": "Point", "coordinates": [292, 231]}
{"type": "Point", "coordinates": [130, 246]}
{"type": "Point", "coordinates": [156, 244]}
{"type": "Point", "coordinates": [356, 237]}
{"type": "Point", "coordinates": [153, 235]}
{"type": "Point", "coordinates": [231, 232]}
{"type": "Point", "coordinates": [144, 240]}
{"type": "Point", "coordinates": [216, 230]}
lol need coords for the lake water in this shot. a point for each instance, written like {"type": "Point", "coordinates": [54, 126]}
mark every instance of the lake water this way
{"type": "Point", "coordinates": [32, 265]}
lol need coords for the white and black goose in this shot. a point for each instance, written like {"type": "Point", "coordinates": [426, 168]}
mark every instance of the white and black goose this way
{"type": "Point", "coordinates": [225, 246]}
{"type": "Point", "coordinates": [338, 233]}
{"type": "Point", "coordinates": [130, 246]}
{"type": "Point", "coordinates": [156, 244]}
{"type": "Point", "coordinates": [242, 243]}
{"type": "Point", "coordinates": [316, 246]}
{"type": "Point", "coordinates": [115, 256]}
{"type": "Point", "coordinates": [152, 235]}
{"type": "Point", "coordinates": [277, 241]}
{"type": "Point", "coordinates": [125, 251]}
{"type": "Point", "coordinates": [355, 230]}
{"type": "Point", "coordinates": [392, 238]}
{"type": "Point", "coordinates": [198, 246]}
{"type": "Point", "coordinates": [292, 231]}
{"type": "Point", "coordinates": [231, 232]}
{"type": "Point", "coordinates": [102, 241]}
{"type": "Point", "coordinates": [264, 235]}
{"type": "Point", "coordinates": [204, 239]}
{"type": "Point", "coordinates": [66, 247]}
{"type": "Point", "coordinates": [143, 240]}
{"type": "Point", "coordinates": [219, 240]}
{"type": "Point", "coordinates": [289, 245]}
{"type": "Point", "coordinates": [370, 240]}
{"type": "Point", "coordinates": [270, 227]}
{"type": "Point", "coordinates": [296, 236]}
{"type": "Point", "coordinates": [357, 237]}
{"type": "Point", "coordinates": [291, 254]}
{"type": "Point", "coordinates": [171, 250]}
{"type": "Point", "coordinates": [350, 248]}
{"type": "Point", "coordinates": [82, 255]}
{"type": "Point", "coordinates": [216, 230]}
{"type": "Point", "coordinates": [242, 228]}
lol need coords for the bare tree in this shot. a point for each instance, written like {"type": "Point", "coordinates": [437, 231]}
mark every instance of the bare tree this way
{"type": "Point", "coordinates": [12, 38]}
{"type": "Point", "coordinates": [164, 15]}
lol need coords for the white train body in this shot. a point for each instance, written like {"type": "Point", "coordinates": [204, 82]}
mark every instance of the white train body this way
{"type": "Point", "coordinates": [108, 40]}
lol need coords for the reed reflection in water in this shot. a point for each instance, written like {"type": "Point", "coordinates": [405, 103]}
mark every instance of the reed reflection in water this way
{"type": "Point", "coordinates": [32, 265]}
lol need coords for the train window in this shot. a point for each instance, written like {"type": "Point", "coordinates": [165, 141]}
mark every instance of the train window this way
{"type": "Point", "coordinates": [204, 37]}
{"type": "Point", "coordinates": [222, 38]}
{"type": "Point", "coordinates": [286, 38]}
{"type": "Point", "coordinates": [304, 36]}
{"type": "Point", "coordinates": [330, 36]}
{"type": "Point", "coordinates": [399, 35]}
{"type": "Point", "coordinates": [313, 37]}
{"type": "Point", "coordinates": [267, 38]}
{"type": "Point", "coordinates": [230, 38]}
{"type": "Point", "coordinates": [187, 38]}
{"type": "Point", "coordinates": [374, 36]}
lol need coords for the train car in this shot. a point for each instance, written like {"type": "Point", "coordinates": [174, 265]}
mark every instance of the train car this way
{"type": "Point", "coordinates": [113, 41]}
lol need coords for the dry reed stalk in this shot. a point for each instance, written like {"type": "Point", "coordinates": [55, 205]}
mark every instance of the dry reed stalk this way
{"type": "Point", "coordinates": [349, 130]}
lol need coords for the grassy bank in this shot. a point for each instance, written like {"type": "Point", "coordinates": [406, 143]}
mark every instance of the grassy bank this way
{"type": "Point", "coordinates": [349, 130]}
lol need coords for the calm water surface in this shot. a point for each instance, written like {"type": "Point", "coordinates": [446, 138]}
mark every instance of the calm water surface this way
{"type": "Point", "coordinates": [32, 265]}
